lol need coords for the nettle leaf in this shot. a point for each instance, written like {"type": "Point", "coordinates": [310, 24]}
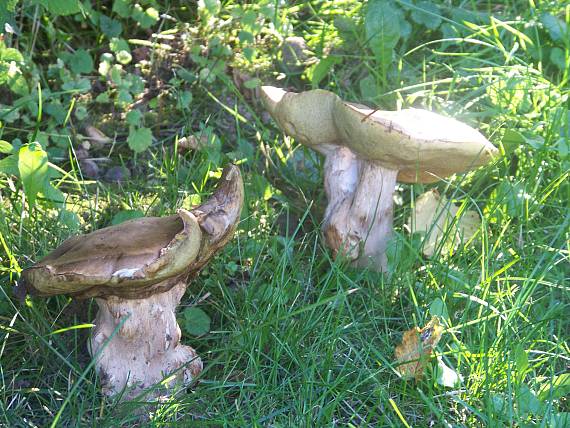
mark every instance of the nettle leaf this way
{"type": "Point", "coordinates": [61, 7]}
{"type": "Point", "coordinates": [122, 8]}
{"type": "Point", "coordinates": [382, 28]}
{"type": "Point", "coordinates": [428, 14]}
{"type": "Point", "coordinates": [110, 27]}
{"type": "Point", "coordinates": [195, 322]}
{"type": "Point", "coordinates": [139, 139]}
{"type": "Point", "coordinates": [81, 62]}
{"type": "Point", "coordinates": [134, 117]}
{"type": "Point", "coordinates": [33, 169]}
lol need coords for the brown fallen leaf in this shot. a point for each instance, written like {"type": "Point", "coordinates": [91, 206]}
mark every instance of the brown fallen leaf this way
{"type": "Point", "coordinates": [414, 351]}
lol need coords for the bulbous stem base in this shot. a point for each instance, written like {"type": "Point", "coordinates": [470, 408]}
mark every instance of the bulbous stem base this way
{"type": "Point", "coordinates": [136, 343]}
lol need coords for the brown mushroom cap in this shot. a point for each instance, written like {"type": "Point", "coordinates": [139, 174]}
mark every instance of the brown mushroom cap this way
{"type": "Point", "coordinates": [305, 116]}
{"type": "Point", "coordinates": [423, 146]}
{"type": "Point", "coordinates": [142, 256]}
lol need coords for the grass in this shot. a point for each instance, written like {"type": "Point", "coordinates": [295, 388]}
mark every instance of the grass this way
{"type": "Point", "coordinates": [296, 338]}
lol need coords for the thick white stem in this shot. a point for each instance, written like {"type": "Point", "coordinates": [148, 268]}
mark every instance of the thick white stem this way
{"type": "Point", "coordinates": [372, 214]}
{"type": "Point", "coordinates": [145, 348]}
{"type": "Point", "coordinates": [359, 216]}
{"type": "Point", "coordinates": [341, 179]}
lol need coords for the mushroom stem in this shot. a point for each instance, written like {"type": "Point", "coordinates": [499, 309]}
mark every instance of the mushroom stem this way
{"type": "Point", "coordinates": [359, 216]}
{"type": "Point", "coordinates": [145, 347]}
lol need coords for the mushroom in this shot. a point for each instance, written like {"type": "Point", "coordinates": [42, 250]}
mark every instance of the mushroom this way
{"type": "Point", "coordinates": [440, 220]}
{"type": "Point", "coordinates": [366, 152]}
{"type": "Point", "coordinates": [137, 272]}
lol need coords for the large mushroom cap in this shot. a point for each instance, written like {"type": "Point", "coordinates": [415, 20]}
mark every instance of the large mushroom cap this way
{"type": "Point", "coordinates": [141, 256]}
{"type": "Point", "coordinates": [305, 116]}
{"type": "Point", "coordinates": [423, 146]}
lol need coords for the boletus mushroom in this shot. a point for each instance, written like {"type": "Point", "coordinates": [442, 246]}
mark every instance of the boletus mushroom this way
{"type": "Point", "coordinates": [138, 271]}
{"type": "Point", "coordinates": [366, 152]}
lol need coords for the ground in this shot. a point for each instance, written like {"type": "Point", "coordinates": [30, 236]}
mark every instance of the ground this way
{"type": "Point", "coordinates": [111, 110]}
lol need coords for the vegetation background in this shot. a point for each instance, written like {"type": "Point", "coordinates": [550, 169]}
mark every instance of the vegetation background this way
{"type": "Point", "coordinates": [111, 110]}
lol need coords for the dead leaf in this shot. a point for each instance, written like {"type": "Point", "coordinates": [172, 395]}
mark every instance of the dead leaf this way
{"type": "Point", "coordinates": [437, 218]}
{"type": "Point", "coordinates": [414, 351]}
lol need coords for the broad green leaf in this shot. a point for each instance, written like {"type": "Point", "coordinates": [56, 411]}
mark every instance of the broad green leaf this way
{"type": "Point", "coordinates": [527, 401]}
{"type": "Point", "coordinates": [61, 7]}
{"type": "Point", "coordinates": [126, 215]}
{"type": "Point", "coordinates": [33, 169]}
{"type": "Point", "coordinates": [382, 29]}
{"type": "Point", "coordinates": [54, 197]}
{"type": "Point", "coordinates": [77, 85]}
{"type": "Point", "coordinates": [558, 58]}
{"type": "Point", "coordinates": [5, 147]}
{"type": "Point", "coordinates": [347, 27]}
{"type": "Point", "coordinates": [320, 70]}
{"type": "Point", "coordinates": [122, 8]}
{"type": "Point", "coordinates": [427, 13]}
{"type": "Point", "coordinates": [11, 5]}
{"type": "Point", "coordinates": [56, 110]}
{"type": "Point", "coordinates": [18, 84]}
{"type": "Point", "coordinates": [134, 117]}
{"type": "Point", "coordinates": [117, 44]}
{"type": "Point", "coordinates": [556, 27]}
{"type": "Point", "coordinates": [124, 97]}
{"type": "Point", "coordinates": [184, 100]}
{"type": "Point", "coordinates": [195, 321]}
{"type": "Point", "coordinates": [139, 139]}
{"type": "Point", "coordinates": [110, 27]}
{"type": "Point", "coordinates": [438, 308]}
{"type": "Point", "coordinates": [9, 165]}
{"type": "Point", "coordinates": [11, 54]}
{"type": "Point", "coordinates": [81, 112]}
{"type": "Point", "coordinates": [368, 87]}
